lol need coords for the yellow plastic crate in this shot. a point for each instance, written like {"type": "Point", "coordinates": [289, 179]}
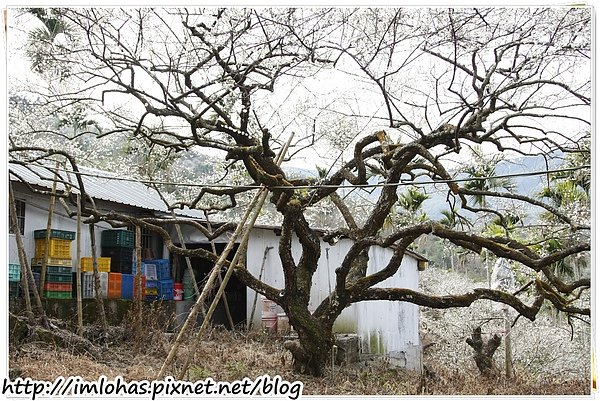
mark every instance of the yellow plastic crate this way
{"type": "Point", "coordinates": [52, 262]}
{"type": "Point", "coordinates": [59, 248]}
{"type": "Point", "coordinates": [88, 266]}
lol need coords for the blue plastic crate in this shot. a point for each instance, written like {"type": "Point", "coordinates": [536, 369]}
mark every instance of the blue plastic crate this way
{"type": "Point", "coordinates": [165, 289]}
{"type": "Point", "coordinates": [13, 289]}
{"type": "Point", "coordinates": [148, 269]}
{"type": "Point", "coordinates": [163, 269]}
{"type": "Point", "coordinates": [127, 286]}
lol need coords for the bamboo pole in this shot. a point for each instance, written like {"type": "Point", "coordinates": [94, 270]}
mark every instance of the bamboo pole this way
{"type": "Point", "coordinates": [14, 223]}
{"type": "Point", "coordinates": [209, 283]}
{"type": "Point", "coordinates": [225, 302]}
{"type": "Point", "coordinates": [216, 270]}
{"type": "Point", "coordinates": [97, 296]}
{"type": "Point", "coordinates": [262, 268]}
{"type": "Point", "coordinates": [78, 270]}
{"type": "Point", "coordinates": [48, 228]}
{"type": "Point", "coordinates": [507, 346]}
{"type": "Point", "coordinates": [246, 230]}
{"type": "Point", "coordinates": [24, 262]}
{"type": "Point", "coordinates": [232, 264]}
{"type": "Point", "coordinates": [137, 282]}
{"type": "Point", "coordinates": [187, 260]}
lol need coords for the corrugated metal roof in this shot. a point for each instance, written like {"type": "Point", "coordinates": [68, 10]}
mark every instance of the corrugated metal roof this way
{"type": "Point", "coordinates": [107, 186]}
{"type": "Point", "coordinates": [98, 184]}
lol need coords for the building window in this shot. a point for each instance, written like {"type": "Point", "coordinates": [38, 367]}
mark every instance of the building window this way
{"type": "Point", "coordinates": [146, 239]}
{"type": "Point", "coordinates": [20, 206]}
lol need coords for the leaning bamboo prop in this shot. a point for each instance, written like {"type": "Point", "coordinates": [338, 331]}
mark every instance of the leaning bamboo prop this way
{"type": "Point", "coordinates": [28, 273]}
{"type": "Point", "coordinates": [255, 205]}
{"type": "Point", "coordinates": [78, 270]}
{"type": "Point", "coordinates": [48, 228]}
{"type": "Point", "coordinates": [214, 250]}
{"type": "Point", "coordinates": [96, 287]}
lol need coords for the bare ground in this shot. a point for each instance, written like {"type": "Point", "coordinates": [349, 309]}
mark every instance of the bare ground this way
{"type": "Point", "coordinates": [227, 356]}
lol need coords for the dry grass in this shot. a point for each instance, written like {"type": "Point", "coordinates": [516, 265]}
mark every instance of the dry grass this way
{"type": "Point", "coordinates": [224, 355]}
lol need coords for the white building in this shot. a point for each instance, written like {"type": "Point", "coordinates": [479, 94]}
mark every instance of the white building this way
{"type": "Point", "coordinates": [384, 327]}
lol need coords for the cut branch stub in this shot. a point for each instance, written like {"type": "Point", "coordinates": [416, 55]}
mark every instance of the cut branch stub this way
{"type": "Point", "coordinates": [484, 351]}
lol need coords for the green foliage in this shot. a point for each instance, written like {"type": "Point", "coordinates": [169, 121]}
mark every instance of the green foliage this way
{"type": "Point", "coordinates": [484, 168]}
{"type": "Point", "coordinates": [568, 191]}
{"type": "Point", "coordinates": [199, 372]}
{"type": "Point", "coordinates": [237, 369]}
{"type": "Point", "coordinates": [412, 200]}
{"type": "Point", "coordinates": [43, 47]}
{"type": "Point", "coordinates": [451, 219]}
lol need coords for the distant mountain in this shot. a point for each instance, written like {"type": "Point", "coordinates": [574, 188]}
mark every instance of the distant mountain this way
{"type": "Point", "coordinates": [526, 185]}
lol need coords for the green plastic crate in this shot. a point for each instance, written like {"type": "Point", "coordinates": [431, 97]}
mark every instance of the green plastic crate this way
{"type": "Point", "coordinates": [61, 234]}
{"type": "Point", "coordinates": [57, 294]}
{"type": "Point", "coordinates": [13, 289]}
{"type": "Point", "coordinates": [59, 278]}
{"type": "Point", "coordinates": [114, 238]}
{"type": "Point", "coordinates": [14, 272]}
{"type": "Point", "coordinates": [59, 270]}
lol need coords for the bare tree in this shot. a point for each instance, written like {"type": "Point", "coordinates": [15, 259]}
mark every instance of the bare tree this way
{"type": "Point", "coordinates": [438, 81]}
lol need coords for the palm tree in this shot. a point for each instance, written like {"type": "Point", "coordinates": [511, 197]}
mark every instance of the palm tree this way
{"type": "Point", "coordinates": [412, 200]}
{"type": "Point", "coordinates": [483, 168]}
{"type": "Point", "coordinates": [42, 46]}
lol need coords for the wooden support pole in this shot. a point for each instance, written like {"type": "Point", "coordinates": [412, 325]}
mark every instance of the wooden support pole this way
{"type": "Point", "coordinates": [48, 228]}
{"type": "Point", "coordinates": [254, 210]}
{"type": "Point", "coordinates": [262, 268]}
{"type": "Point", "coordinates": [138, 281]}
{"type": "Point", "coordinates": [24, 263]}
{"type": "Point", "coordinates": [78, 270]}
{"type": "Point", "coordinates": [14, 223]}
{"type": "Point", "coordinates": [507, 345]}
{"type": "Point", "coordinates": [188, 262]}
{"type": "Point", "coordinates": [254, 204]}
{"type": "Point", "coordinates": [225, 302]}
{"type": "Point", "coordinates": [99, 301]}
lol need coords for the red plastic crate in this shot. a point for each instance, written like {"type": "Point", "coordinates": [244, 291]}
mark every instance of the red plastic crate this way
{"type": "Point", "coordinates": [114, 285]}
{"type": "Point", "coordinates": [58, 287]}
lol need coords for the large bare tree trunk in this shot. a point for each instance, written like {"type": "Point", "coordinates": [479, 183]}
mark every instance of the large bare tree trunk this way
{"type": "Point", "coordinates": [315, 340]}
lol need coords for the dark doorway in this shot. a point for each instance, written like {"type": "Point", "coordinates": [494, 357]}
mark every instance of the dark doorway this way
{"type": "Point", "coordinates": [235, 291]}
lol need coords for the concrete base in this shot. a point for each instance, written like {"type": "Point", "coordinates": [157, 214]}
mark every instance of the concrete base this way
{"type": "Point", "coordinates": [347, 349]}
{"type": "Point", "coordinates": [182, 311]}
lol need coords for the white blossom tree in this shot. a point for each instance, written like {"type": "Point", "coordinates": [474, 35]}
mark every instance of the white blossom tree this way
{"type": "Point", "coordinates": [404, 92]}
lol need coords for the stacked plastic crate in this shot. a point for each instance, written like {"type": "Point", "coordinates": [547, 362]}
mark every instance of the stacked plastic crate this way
{"type": "Point", "coordinates": [159, 285]}
{"type": "Point", "coordinates": [117, 247]}
{"type": "Point", "coordinates": [87, 278]}
{"type": "Point", "coordinates": [59, 281]}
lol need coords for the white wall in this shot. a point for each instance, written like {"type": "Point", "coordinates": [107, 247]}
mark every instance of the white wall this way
{"type": "Point", "coordinates": [390, 328]}
{"type": "Point", "coordinates": [36, 218]}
